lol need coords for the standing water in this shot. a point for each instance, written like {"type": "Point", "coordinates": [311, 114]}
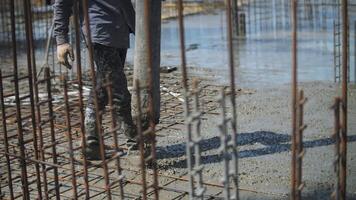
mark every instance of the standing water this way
{"type": "Point", "coordinates": [263, 56]}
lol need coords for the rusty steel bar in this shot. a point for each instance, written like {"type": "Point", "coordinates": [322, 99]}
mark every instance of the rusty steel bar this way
{"type": "Point", "coordinates": [233, 95]}
{"type": "Point", "coordinates": [151, 132]}
{"type": "Point", "coordinates": [40, 135]}
{"type": "Point", "coordinates": [299, 144]}
{"type": "Point", "coordinates": [32, 79]}
{"type": "Point", "coordinates": [336, 136]}
{"type": "Point", "coordinates": [224, 150]}
{"type": "Point", "coordinates": [23, 163]}
{"type": "Point", "coordinates": [195, 120]}
{"type": "Point", "coordinates": [80, 93]}
{"type": "Point", "coordinates": [52, 130]}
{"type": "Point", "coordinates": [85, 6]}
{"type": "Point", "coordinates": [186, 98]}
{"type": "Point", "coordinates": [114, 128]}
{"type": "Point", "coordinates": [345, 52]}
{"type": "Point", "coordinates": [33, 72]}
{"type": "Point", "coordinates": [294, 90]}
{"type": "Point", "coordinates": [6, 144]}
{"type": "Point", "coordinates": [69, 137]}
{"type": "Point", "coordinates": [227, 145]}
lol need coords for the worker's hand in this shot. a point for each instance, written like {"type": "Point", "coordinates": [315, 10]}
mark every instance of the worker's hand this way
{"type": "Point", "coordinates": [63, 52]}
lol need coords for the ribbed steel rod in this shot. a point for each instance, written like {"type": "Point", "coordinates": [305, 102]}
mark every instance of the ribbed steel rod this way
{"type": "Point", "coordinates": [345, 60]}
{"type": "Point", "coordinates": [336, 136]}
{"type": "Point", "coordinates": [52, 131]}
{"type": "Point", "coordinates": [31, 58]}
{"type": "Point", "coordinates": [6, 143]}
{"type": "Point", "coordinates": [294, 90]}
{"type": "Point", "coordinates": [22, 160]}
{"type": "Point", "coordinates": [152, 134]}
{"type": "Point", "coordinates": [233, 94]}
{"type": "Point", "coordinates": [189, 150]}
{"type": "Point", "coordinates": [99, 130]}
{"type": "Point", "coordinates": [114, 128]}
{"type": "Point", "coordinates": [69, 138]}
{"type": "Point", "coordinates": [76, 11]}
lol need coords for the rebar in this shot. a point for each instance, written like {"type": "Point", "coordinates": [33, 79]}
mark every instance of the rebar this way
{"type": "Point", "coordinates": [300, 151]}
{"type": "Point", "coordinates": [345, 55]}
{"type": "Point", "coordinates": [336, 136]}
{"type": "Point", "coordinates": [227, 145]}
{"type": "Point", "coordinates": [69, 137]}
{"type": "Point", "coordinates": [6, 144]}
{"type": "Point", "coordinates": [150, 133]}
{"type": "Point", "coordinates": [193, 137]}
{"type": "Point", "coordinates": [232, 97]}
{"type": "Point", "coordinates": [76, 17]}
{"type": "Point", "coordinates": [85, 5]}
{"type": "Point", "coordinates": [51, 118]}
{"type": "Point", "coordinates": [46, 171]}
{"type": "Point", "coordinates": [294, 90]}
{"type": "Point", "coordinates": [114, 129]}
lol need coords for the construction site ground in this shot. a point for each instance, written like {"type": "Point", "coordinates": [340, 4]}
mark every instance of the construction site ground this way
{"type": "Point", "coordinates": [264, 139]}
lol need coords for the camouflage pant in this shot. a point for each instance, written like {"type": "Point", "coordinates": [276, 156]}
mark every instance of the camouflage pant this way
{"type": "Point", "coordinates": [110, 67]}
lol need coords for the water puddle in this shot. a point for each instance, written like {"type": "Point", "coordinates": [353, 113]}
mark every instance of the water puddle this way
{"type": "Point", "coordinates": [263, 58]}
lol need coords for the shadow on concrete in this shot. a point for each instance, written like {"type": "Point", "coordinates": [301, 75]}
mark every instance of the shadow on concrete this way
{"type": "Point", "coordinates": [273, 142]}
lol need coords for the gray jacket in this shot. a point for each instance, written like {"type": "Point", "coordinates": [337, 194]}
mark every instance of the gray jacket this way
{"type": "Point", "coordinates": [111, 21]}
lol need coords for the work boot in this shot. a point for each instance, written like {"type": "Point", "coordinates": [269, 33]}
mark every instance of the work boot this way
{"type": "Point", "coordinates": [92, 150]}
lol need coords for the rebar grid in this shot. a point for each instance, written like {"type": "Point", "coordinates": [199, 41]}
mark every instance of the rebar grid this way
{"type": "Point", "coordinates": [52, 169]}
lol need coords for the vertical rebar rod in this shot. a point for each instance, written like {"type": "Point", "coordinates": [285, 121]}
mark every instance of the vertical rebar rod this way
{"type": "Point", "coordinates": [41, 144]}
{"type": "Point", "coordinates": [23, 164]}
{"type": "Point", "coordinates": [235, 18]}
{"type": "Point", "coordinates": [299, 144]}
{"type": "Point", "coordinates": [355, 53]}
{"type": "Point", "coordinates": [152, 137]}
{"type": "Point", "coordinates": [6, 143]}
{"type": "Point", "coordinates": [69, 137]}
{"type": "Point", "coordinates": [114, 128]}
{"type": "Point", "coordinates": [336, 136]}
{"type": "Point", "coordinates": [224, 145]}
{"type": "Point", "coordinates": [294, 96]}
{"type": "Point", "coordinates": [32, 74]}
{"type": "Point", "coordinates": [52, 130]}
{"type": "Point", "coordinates": [80, 94]}
{"type": "Point", "coordinates": [85, 4]}
{"type": "Point", "coordinates": [196, 121]}
{"type": "Point", "coordinates": [233, 95]}
{"type": "Point", "coordinates": [345, 28]}
{"type": "Point", "coordinates": [186, 98]}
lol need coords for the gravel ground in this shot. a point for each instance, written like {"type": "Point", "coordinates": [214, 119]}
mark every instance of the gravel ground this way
{"type": "Point", "coordinates": [264, 127]}
{"type": "Point", "coordinates": [264, 139]}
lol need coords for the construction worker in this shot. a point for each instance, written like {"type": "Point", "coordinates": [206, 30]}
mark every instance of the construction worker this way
{"type": "Point", "coordinates": [111, 22]}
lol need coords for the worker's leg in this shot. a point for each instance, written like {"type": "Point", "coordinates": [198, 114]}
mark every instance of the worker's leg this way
{"type": "Point", "coordinates": [122, 98]}
{"type": "Point", "coordinates": [101, 58]}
